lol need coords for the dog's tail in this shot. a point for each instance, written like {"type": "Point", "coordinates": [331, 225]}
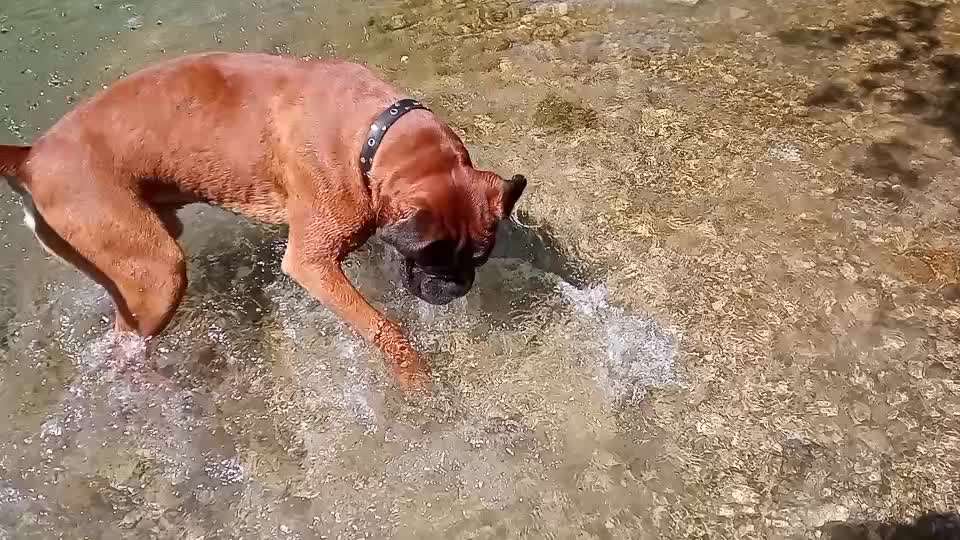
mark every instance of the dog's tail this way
{"type": "Point", "coordinates": [12, 159]}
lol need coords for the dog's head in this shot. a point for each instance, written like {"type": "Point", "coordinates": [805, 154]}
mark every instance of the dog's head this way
{"type": "Point", "coordinates": [449, 230]}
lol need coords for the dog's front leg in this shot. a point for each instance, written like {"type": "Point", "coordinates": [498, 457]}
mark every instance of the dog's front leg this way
{"type": "Point", "coordinates": [328, 284]}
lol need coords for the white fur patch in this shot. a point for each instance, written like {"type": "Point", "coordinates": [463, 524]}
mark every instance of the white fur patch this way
{"type": "Point", "coordinates": [30, 220]}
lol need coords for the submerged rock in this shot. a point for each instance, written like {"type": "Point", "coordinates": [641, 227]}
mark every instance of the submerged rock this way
{"type": "Point", "coordinates": [556, 113]}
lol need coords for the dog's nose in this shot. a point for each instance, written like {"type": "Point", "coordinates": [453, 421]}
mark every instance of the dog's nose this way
{"type": "Point", "coordinates": [441, 291]}
{"type": "Point", "coordinates": [455, 289]}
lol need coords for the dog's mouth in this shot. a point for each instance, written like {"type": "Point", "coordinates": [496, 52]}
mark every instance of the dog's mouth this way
{"type": "Point", "coordinates": [436, 289]}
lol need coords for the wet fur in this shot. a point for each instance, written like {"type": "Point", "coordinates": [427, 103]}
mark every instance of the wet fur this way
{"type": "Point", "coordinates": [273, 138]}
{"type": "Point", "coordinates": [59, 248]}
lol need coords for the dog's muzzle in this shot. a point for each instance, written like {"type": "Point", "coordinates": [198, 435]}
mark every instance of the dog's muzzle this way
{"type": "Point", "coordinates": [438, 289]}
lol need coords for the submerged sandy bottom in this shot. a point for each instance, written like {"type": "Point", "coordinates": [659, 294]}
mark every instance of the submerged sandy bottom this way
{"type": "Point", "coordinates": [265, 416]}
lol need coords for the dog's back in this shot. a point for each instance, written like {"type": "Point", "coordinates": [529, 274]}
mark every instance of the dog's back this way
{"type": "Point", "coordinates": [218, 127]}
{"type": "Point", "coordinates": [102, 186]}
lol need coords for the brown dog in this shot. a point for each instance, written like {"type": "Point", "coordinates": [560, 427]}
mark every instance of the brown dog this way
{"type": "Point", "coordinates": [279, 140]}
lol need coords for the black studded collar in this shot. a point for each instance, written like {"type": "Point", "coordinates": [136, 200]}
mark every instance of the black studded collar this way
{"type": "Point", "coordinates": [379, 128]}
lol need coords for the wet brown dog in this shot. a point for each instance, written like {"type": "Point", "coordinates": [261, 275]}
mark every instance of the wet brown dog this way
{"type": "Point", "coordinates": [278, 140]}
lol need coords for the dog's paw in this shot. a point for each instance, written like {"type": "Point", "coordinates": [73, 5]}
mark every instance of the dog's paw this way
{"type": "Point", "coordinates": [412, 373]}
{"type": "Point", "coordinates": [414, 381]}
{"type": "Point", "coordinates": [125, 351]}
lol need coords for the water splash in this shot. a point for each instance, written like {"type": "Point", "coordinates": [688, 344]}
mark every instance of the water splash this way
{"type": "Point", "coordinates": [227, 471]}
{"type": "Point", "coordinates": [639, 353]}
{"type": "Point", "coordinates": [243, 408]}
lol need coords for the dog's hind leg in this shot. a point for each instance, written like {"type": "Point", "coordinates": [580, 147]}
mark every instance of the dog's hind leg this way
{"type": "Point", "coordinates": [113, 236]}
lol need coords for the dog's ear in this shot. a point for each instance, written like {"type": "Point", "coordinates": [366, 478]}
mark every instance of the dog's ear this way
{"type": "Point", "coordinates": [512, 190]}
{"type": "Point", "coordinates": [407, 235]}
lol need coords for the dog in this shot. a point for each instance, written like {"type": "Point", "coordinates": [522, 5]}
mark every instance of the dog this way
{"type": "Point", "coordinates": [323, 146]}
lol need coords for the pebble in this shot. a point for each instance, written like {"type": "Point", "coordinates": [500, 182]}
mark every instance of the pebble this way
{"type": "Point", "coordinates": [397, 22]}
{"type": "Point", "coordinates": [689, 3]}
{"type": "Point", "coordinates": [743, 495]}
{"type": "Point", "coordinates": [549, 31]}
{"type": "Point", "coordinates": [738, 13]}
{"type": "Point", "coordinates": [560, 8]}
{"type": "Point", "coordinates": [816, 517]}
{"type": "Point", "coordinates": [131, 518]}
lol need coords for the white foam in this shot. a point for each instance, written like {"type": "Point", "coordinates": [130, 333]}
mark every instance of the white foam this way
{"type": "Point", "coordinates": [29, 220]}
{"type": "Point", "coordinates": [640, 353]}
{"type": "Point", "coordinates": [227, 471]}
{"type": "Point", "coordinates": [785, 152]}
{"type": "Point", "coordinates": [357, 391]}
{"type": "Point", "coordinates": [304, 320]}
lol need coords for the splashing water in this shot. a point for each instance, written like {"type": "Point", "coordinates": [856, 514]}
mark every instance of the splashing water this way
{"type": "Point", "coordinates": [639, 353]}
{"type": "Point", "coordinates": [261, 413]}
{"type": "Point", "coordinates": [235, 408]}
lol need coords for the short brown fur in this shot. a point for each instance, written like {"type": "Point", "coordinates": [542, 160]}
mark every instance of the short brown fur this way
{"type": "Point", "coordinates": [273, 138]}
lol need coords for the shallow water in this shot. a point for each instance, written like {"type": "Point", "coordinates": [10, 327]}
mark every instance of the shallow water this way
{"type": "Point", "coordinates": [724, 312]}
{"type": "Point", "coordinates": [264, 416]}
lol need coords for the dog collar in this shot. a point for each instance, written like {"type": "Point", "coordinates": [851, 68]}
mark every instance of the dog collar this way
{"type": "Point", "coordinates": [379, 128]}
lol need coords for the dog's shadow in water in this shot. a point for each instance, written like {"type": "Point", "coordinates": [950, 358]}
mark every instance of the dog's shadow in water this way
{"type": "Point", "coordinates": [247, 260]}
{"type": "Point", "coordinates": [229, 305]}
{"type": "Point", "coordinates": [538, 245]}
{"type": "Point", "coordinates": [929, 526]}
